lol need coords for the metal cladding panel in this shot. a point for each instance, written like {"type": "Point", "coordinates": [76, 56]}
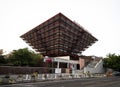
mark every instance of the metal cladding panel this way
{"type": "Point", "coordinates": [59, 36]}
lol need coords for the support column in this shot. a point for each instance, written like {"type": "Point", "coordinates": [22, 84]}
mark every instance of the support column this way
{"type": "Point", "coordinates": [68, 65]}
{"type": "Point", "coordinates": [58, 64]}
{"type": "Point", "coordinates": [75, 66]}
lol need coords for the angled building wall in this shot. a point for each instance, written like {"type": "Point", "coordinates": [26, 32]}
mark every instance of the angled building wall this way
{"type": "Point", "coordinates": [59, 36]}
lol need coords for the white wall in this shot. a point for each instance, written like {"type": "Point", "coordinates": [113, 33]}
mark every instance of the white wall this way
{"type": "Point", "coordinates": [97, 69]}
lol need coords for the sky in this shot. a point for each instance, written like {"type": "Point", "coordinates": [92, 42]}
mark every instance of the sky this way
{"type": "Point", "coordinates": [100, 17]}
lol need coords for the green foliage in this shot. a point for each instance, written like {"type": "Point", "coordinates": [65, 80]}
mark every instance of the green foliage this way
{"type": "Point", "coordinates": [2, 60]}
{"type": "Point", "coordinates": [24, 57]}
{"type": "Point", "coordinates": [112, 61]}
{"type": "Point", "coordinates": [1, 51]}
{"type": "Point", "coordinates": [37, 59]}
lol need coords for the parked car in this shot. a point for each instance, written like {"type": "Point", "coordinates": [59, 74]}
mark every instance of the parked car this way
{"type": "Point", "coordinates": [116, 73]}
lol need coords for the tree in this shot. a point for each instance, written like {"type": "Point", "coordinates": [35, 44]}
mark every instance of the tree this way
{"type": "Point", "coordinates": [2, 59]}
{"type": "Point", "coordinates": [23, 57]}
{"type": "Point", "coordinates": [1, 51]}
{"type": "Point", "coordinates": [37, 60]}
{"type": "Point", "coordinates": [112, 61]}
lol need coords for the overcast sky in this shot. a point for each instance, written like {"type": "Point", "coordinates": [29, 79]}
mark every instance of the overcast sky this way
{"type": "Point", "coordinates": [99, 17]}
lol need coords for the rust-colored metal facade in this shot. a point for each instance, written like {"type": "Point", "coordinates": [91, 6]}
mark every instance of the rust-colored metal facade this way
{"type": "Point", "coordinates": [59, 36]}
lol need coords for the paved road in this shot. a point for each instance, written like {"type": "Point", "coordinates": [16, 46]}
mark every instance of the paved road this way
{"type": "Point", "coordinates": [84, 82]}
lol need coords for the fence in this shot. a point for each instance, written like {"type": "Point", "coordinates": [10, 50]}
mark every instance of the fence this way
{"type": "Point", "coordinates": [10, 74]}
{"type": "Point", "coordinates": [21, 78]}
{"type": "Point", "coordinates": [27, 70]}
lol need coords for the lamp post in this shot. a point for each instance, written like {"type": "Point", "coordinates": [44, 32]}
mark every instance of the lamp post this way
{"type": "Point", "coordinates": [52, 60]}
